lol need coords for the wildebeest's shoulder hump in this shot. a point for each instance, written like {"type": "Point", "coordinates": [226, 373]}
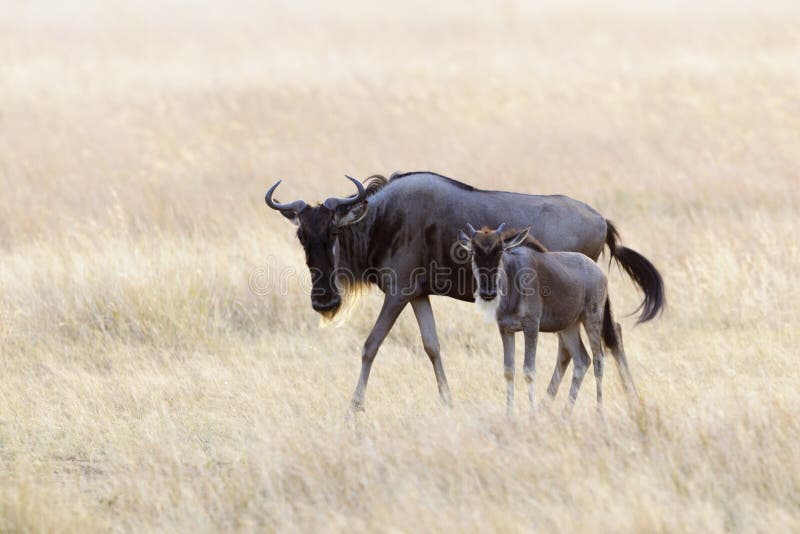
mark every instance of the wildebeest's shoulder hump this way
{"type": "Point", "coordinates": [461, 185]}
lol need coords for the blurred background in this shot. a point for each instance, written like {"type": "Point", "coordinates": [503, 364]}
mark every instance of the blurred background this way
{"type": "Point", "coordinates": [186, 109]}
{"type": "Point", "coordinates": [144, 385]}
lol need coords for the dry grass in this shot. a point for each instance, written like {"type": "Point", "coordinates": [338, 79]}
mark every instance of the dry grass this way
{"type": "Point", "coordinates": [143, 385]}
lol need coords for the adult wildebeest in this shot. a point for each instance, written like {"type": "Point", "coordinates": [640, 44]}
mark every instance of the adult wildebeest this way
{"type": "Point", "coordinates": [400, 235]}
{"type": "Point", "coordinates": [512, 270]}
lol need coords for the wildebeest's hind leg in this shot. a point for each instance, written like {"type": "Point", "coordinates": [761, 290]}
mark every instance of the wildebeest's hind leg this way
{"type": "Point", "coordinates": [430, 341]}
{"type": "Point", "coordinates": [392, 306]}
{"type": "Point", "coordinates": [580, 360]}
{"type": "Point", "coordinates": [562, 362]}
{"type": "Point", "coordinates": [529, 366]}
{"type": "Point", "coordinates": [508, 368]}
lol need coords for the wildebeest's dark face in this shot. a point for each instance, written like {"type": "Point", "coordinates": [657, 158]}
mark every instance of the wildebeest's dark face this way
{"type": "Point", "coordinates": [318, 227]}
{"type": "Point", "coordinates": [316, 233]}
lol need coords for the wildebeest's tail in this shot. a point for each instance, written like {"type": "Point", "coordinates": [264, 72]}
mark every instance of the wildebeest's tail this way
{"type": "Point", "coordinates": [643, 273]}
{"type": "Point", "coordinates": [609, 331]}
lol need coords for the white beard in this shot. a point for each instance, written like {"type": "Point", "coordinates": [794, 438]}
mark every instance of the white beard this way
{"type": "Point", "coordinates": [487, 307]}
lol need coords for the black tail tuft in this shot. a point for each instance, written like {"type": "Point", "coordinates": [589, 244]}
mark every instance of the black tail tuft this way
{"type": "Point", "coordinates": [609, 330]}
{"type": "Point", "coordinates": [612, 236]}
{"type": "Point", "coordinates": [643, 273]}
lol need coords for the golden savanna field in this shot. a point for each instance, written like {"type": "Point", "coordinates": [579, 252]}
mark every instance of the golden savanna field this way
{"type": "Point", "coordinates": [161, 371]}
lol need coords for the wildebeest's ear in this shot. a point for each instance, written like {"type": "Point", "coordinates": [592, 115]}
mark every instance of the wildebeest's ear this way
{"type": "Point", "coordinates": [292, 216]}
{"type": "Point", "coordinates": [516, 239]}
{"type": "Point", "coordinates": [464, 241]}
{"type": "Point", "coordinates": [351, 216]}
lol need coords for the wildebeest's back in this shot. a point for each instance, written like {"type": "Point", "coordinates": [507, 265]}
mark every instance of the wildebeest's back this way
{"type": "Point", "coordinates": [434, 208]}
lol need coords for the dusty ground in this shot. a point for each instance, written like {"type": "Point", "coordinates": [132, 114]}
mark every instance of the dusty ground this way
{"type": "Point", "coordinates": [143, 385]}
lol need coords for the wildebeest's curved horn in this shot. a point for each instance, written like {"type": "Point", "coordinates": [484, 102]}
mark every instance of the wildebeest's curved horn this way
{"type": "Point", "coordinates": [472, 230]}
{"type": "Point", "coordinates": [500, 228]}
{"type": "Point", "coordinates": [296, 206]}
{"type": "Point", "coordinates": [335, 202]}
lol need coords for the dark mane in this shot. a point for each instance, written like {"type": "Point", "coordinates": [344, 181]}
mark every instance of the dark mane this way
{"type": "Point", "coordinates": [530, 241]}
{"type": "Point", "coordinates": [375, 183]}
{"type": "Point", "coordinates": [354, 259]}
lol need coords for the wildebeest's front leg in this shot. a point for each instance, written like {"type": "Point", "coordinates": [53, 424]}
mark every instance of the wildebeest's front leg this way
{"type": "Point", "coordinates": [392, 306]}
{"type": "Point", "coordinates": [529, 365]}
{"type": "Point", "coordinates": [430, 341]}
{"type": "Point", "coordinates": [508, 368]}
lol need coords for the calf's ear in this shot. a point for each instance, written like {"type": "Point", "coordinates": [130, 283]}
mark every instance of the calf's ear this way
{"type": "Point", "coordinates": [351, 216]}
{"type": "Point", "coordinates": [516, 239]}
{"type": "Point", "coordinates": [464, 241]}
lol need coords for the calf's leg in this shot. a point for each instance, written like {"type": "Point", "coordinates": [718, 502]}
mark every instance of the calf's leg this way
{"type": "Point", "coordinates": [632, 394]}
{"type": "Point", "coordinates": [581, 360]}
{"type": "Point", "coordinates": [562, 362]}
{"type": "Point", "coordinates": [622, 364]}
{"type": "Point", "coordinates": [508, 368]}
{"type": "Point", "coordinates": [593, 331]}
{"type": "Point", "coordinates": [529, 365]}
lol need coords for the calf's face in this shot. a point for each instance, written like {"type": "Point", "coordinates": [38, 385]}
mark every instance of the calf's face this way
{"type": "Point", "coordinates": [486, 247]}
{"type": "Point", "coordinates": [487, 255]}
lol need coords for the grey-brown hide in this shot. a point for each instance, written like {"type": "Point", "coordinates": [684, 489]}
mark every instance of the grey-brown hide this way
{"type": "Point", "coordinates": [402, 236]}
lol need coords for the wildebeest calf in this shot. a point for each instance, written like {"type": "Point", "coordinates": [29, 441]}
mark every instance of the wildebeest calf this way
{"type": "Point", "coordinates": [533, 290]}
